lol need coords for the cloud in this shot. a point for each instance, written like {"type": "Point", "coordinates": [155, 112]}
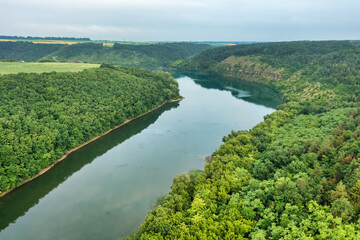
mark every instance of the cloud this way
{"type": "Point", "coordinates": [88, 4]}
{"type": "Point", "coordinates": [183, 19]}
{"type": "Point", "coordinates": [70, 30]}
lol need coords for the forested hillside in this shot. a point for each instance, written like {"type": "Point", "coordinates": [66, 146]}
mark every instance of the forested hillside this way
{"type": "Point", "coordinates": [146, 55]}
{"type": "Point", "coordinates": [149, 55]}
{"type": "Point", "coordinates": [296, 175]}
{"type": "Point", "coordinates": [42, 116]}
{"type": "Point", "coordinates": [26, 51]}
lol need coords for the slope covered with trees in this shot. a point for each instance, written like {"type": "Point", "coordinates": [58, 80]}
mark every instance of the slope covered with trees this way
{"type": "Point", "coordinates": [26, 51]}
{"type": "Point", "coordinates": [42, 116]}
{"type": "Point", "coordinates": [145, 55]}
{"type": "Point", "coordinates": [296, 175]}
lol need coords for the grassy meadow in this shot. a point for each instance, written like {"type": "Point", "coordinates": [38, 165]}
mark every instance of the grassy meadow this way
{"type": "Point", "coordinates": [35, 67]}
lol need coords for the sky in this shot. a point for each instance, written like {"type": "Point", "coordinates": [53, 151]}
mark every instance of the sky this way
{"type": "Point", "coordinates": [183, 20]}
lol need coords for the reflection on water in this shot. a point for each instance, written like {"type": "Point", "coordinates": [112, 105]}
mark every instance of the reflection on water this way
{"type": "Point", "coordinates": [19, 201]}
{"type": "Point", "coordinates": [104, 190]}
{"type": "Point", "coordinates": [249, 91]}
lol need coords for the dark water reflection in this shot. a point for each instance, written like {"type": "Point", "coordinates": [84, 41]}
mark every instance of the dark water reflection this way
{"type": "Point", "coordinates": [248, 91]}
{"type": "Point", "coordinates": [104, 190]}
{"type": "Point", "coordinates": [16, 204]}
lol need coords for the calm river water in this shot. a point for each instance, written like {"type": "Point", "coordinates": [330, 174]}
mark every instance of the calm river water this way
{"type": "Point", "coordinates": [105, 189]}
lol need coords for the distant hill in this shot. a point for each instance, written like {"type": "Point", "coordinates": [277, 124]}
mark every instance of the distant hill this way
{"type": "Point", "coordinates": [149, 55]}
{"type": "Point", "coordinates": [26, 51]}
{"type": "Point", "coordinates": [45, 38]}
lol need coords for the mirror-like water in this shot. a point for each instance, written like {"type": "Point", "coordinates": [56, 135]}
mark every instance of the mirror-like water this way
{"type": "Point", "coordinates": [104, 190]}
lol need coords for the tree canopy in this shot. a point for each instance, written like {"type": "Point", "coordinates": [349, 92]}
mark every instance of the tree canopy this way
{"type": "Point", "coordinates": [296, 175]}
{"type": "Point", "coordinates": [155, 55]}
{"type": "Point", "coordinates": [42, 116]}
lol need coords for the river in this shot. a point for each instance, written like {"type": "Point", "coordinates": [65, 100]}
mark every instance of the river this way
{"type": "Point", "coordinates": [105, 189]}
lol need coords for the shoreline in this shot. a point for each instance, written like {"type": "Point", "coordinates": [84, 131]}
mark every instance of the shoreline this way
{"type": "Point", "coordinates": [85, 143]}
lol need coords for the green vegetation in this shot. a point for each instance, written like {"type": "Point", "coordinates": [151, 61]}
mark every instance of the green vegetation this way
{"type": "Point", "coordinates": [42, 116]}
{"type": "Point", "coordinates": [44, 38]}
{"type": "Point", "coordinates": [26, 51]}
{"type": "Point", "coordinates": [148, 55]}
{"type": "Point", "coordinates": [296, 175]}
{"type": "Point", "coordinates": [26, 67]}
{"type": "Point", "coordinates": [73, 40]}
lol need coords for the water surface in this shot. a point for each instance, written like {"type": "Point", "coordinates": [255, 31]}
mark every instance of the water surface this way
{"type": "Point", "coordinates": [104, 190]}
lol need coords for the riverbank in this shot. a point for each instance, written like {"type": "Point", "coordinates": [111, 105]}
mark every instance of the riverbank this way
{"type": "Point", "coordinates": [296, 174]}
{"type": "Point", "coordinates": [84, 144]}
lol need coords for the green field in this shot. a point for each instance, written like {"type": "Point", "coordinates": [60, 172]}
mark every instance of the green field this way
{"type": "Point", "coordinates": [34, 67]}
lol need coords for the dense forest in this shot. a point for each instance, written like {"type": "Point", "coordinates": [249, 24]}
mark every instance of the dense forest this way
{"type": "Point", "coordinates": [10, 210]}
{"type": "Point", "coordinates": [26, 51]}
{"type": "Point", "coordinates": [296, 175]}
{"type": "Point", "coordinates": [144, 55]}
{"type": "Point", "coordinates": [42, 116]}
{"type": "Point", "coordinates": [147, 55]}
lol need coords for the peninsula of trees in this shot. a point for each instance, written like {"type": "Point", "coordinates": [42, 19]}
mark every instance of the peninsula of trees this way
{"type": "Point", "coordinates": [42, 116]}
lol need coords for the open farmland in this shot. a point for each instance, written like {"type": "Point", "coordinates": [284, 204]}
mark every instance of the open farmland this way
{"type": "Point", "coordinates": [34, 67]}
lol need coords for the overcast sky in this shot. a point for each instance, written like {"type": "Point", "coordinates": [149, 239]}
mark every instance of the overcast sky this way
{"type": "Point", "coordinates": [183, 20]}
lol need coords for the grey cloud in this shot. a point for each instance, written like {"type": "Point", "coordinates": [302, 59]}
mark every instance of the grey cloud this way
{"type": "Point", "coordinates": [260, 20]}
